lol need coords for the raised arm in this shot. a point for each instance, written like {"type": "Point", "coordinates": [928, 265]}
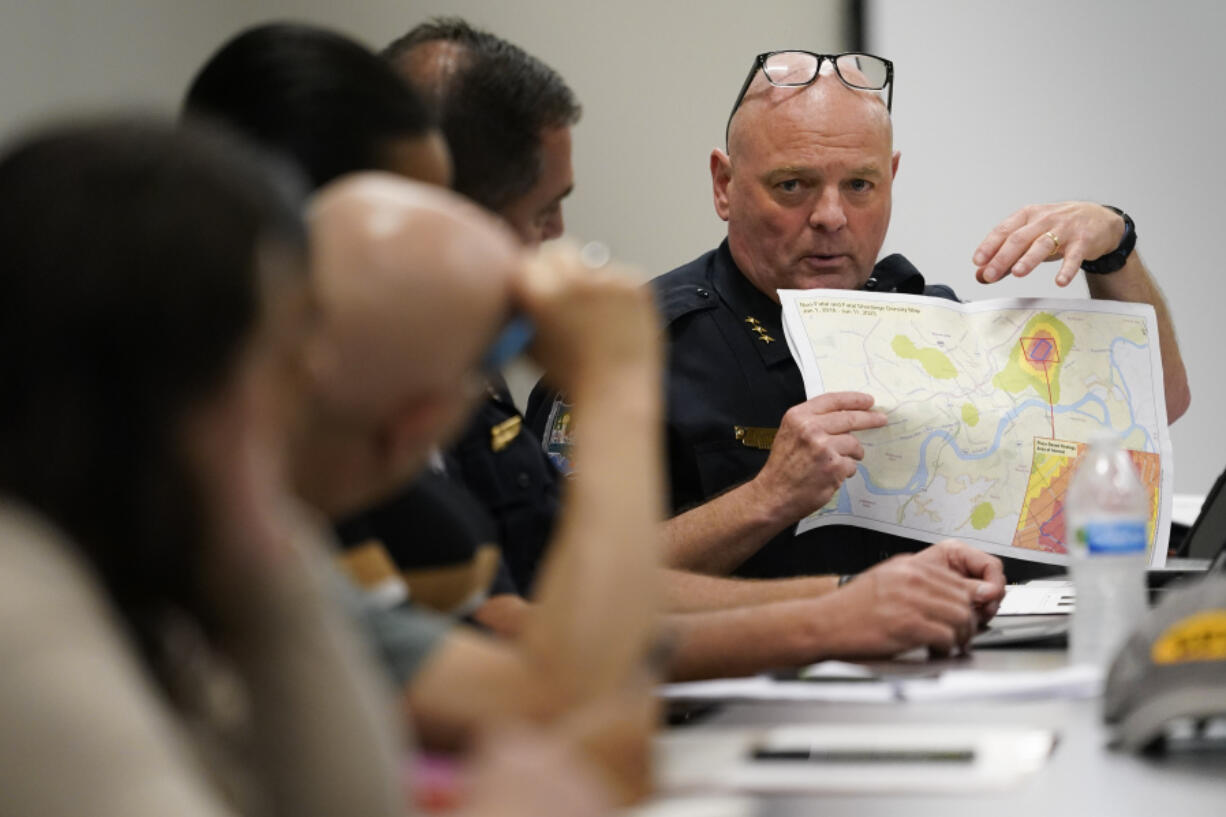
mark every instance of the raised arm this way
{"type": "Point", "coordinates": [1075, 231]}
{"type": "Point", "coordinates": [584, 641]}
{"type": "Point", "coordinates": [598, 591]}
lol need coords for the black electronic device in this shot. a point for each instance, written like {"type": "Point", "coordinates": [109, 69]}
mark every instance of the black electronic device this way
{"type": "Point", "coordinates": [1206, 538]}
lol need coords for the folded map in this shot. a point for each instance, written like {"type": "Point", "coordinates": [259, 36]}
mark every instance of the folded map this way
{"type": "Point", "coordinates": [990, 405]}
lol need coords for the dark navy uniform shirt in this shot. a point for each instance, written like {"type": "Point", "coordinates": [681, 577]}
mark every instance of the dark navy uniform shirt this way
{"type": "Point", "coordinates": [730, 380]}
{"type": "Point", "coordinates": [503, 466]}
{"type": "Point", "coordinates": [432, 522]}
{"type": "Point", "coordinates": [498, 487]}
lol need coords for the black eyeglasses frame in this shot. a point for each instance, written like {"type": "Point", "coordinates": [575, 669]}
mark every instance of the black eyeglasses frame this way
{"type": "Point", "coordinates": [759, 64]}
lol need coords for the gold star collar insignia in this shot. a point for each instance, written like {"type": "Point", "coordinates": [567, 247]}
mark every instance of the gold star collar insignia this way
{"type": "Point", "coordinates": [756, 326]}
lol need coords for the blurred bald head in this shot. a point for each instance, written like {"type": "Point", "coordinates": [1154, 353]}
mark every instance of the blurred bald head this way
{"type": "Point", "coordinates": [413, 282]}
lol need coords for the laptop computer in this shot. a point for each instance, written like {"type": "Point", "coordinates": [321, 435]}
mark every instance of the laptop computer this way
{"type": "Point", "coordinates": [1206, 539]}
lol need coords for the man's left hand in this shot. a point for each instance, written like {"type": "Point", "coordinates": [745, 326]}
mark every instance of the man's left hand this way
{"type": "Point", "coordinates": [985, 573]}
{"type": "Point", "coordinates": [1073, 231]}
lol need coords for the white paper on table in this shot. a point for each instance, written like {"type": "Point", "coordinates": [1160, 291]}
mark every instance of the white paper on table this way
{"type": "Point", "coordinates": [765, 688]}
{"type": "Point", "coordinates": [1037, 600]}
{"type": "Point", "coordinates": [1078, 681]}
{"type": "Point", "coordinates": [988, 404]}
{"type": "Point", "coordinates": [719, 760]}
{"type": "Point", "coordinates": [837, 671]}
{"type": "Point", "coordinates": [1072, 682]}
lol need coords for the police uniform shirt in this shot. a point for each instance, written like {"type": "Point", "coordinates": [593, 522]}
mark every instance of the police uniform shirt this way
{"type": "Point", "coordinates": [730, 380]}
{"type": "Point", "coordinates": [504, 467]}
{"type": "Point", "coordinates": [432, 537]}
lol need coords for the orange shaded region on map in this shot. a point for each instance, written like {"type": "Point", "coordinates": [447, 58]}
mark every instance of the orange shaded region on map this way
{"type": "Point", "coordinates": [1039, 351]}
{"type": "Point", "coordinates": [1041, 523]}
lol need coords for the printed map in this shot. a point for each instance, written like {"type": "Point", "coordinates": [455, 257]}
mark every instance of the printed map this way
{"type": "Point", "coordinates": [990, 405]}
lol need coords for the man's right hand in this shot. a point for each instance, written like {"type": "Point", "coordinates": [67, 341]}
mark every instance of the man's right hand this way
{"type": "Point", "coordinates": [903, 603]}
{"type": "Point", "coordinates": [814, 451]}
{"type": "Point", "coordinates": [589, 322]}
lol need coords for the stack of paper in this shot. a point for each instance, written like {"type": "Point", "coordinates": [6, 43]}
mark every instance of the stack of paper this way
{"type": "Point", "coordinates": [765, 688]}
{"type": "Point", "coordinates": [965, 685]}
{"type": "Point", "coordinates": [1038, 598]}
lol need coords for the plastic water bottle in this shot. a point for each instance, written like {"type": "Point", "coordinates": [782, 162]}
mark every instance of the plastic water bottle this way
{"type": "Point", "coordinates": [1108, 522]}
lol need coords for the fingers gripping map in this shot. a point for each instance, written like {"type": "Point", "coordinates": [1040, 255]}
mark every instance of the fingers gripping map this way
{"type": "Point", "coordinates": [990, 405]}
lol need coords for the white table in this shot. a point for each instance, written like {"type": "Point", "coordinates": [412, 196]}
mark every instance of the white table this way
{"type": "Point", "coordinates": [1083, 777]}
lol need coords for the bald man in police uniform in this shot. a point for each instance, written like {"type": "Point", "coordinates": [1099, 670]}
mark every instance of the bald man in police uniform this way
{"type": "Point", "coordinates": [805, 187]}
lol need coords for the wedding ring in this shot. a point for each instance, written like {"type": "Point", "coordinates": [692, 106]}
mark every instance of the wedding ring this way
{"type": "Point", "coordinates": [1055, 244]}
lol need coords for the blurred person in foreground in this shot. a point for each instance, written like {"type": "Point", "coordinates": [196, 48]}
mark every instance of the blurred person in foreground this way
{"type": "Point", "coordinates": [401, 265]}
{"type": "Point", "coordinates": [168, 628]}
{"type": "Point", "coordinates": [428, 278]}
{"type": "Point", "coordinates": [329, 105]}
{"type": "Point", "coordinates": [159, 596]}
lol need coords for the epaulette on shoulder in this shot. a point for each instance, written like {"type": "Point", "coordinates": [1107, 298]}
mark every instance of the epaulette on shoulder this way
{"type": "Point", "coordinates": [677, 298]}
{"type": "Point", "coordinates": [941, 291]}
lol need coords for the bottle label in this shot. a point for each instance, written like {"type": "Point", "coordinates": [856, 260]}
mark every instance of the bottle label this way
{"type": "Point", "coordinates": [1118, 537]}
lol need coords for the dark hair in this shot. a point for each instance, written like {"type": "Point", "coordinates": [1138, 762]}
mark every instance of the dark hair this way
{"type": "Point", "coordinates": [492, 107]}
{"type": "Point", "coordinates": [325, 101]}
{"type": "Point", "coordinates": [130, 284]}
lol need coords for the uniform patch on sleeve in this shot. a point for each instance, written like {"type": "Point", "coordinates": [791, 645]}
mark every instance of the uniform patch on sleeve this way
{"type": "Point", "coordinates": [557, 439]}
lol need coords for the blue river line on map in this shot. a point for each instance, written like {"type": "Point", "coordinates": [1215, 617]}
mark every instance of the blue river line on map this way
{"type": "Point", "coordinates": [920, 478]}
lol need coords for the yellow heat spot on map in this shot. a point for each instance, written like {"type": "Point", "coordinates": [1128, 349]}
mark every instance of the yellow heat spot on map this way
{"type": "Point", "coordinates": [934, 361]}
{"type": "Point", "coordinates": [1036, 360]}
{"type": "Point", "coordinates": [970, 414]}
{"type": "Point", "coordinates": [982, 515]}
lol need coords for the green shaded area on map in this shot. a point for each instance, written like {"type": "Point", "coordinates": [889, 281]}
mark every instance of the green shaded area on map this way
{"type": "Point", "coordinates": [982, 515]}
{"type": "Point", "coordinates": [970, 414]}
{"type": "Point", "coordinates": [934, 361]}
{"type": "Point", "coordinates": [1040, 368]}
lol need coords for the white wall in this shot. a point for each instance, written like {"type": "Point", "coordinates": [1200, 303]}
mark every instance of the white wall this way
{"type": "Point", "coordinates": [656, 80]}
{"type": "Point", "coordinates": [1001, 104]}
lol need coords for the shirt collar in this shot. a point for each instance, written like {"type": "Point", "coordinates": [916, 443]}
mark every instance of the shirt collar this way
{"type": "Point", "coordinates": [762, 319]}
{"type": "Point", "coordinates": [757, 315]}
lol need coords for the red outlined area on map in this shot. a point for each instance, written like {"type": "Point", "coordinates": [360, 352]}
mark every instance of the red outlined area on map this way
{"type": "Point", "coordinates": [1041, 350]}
